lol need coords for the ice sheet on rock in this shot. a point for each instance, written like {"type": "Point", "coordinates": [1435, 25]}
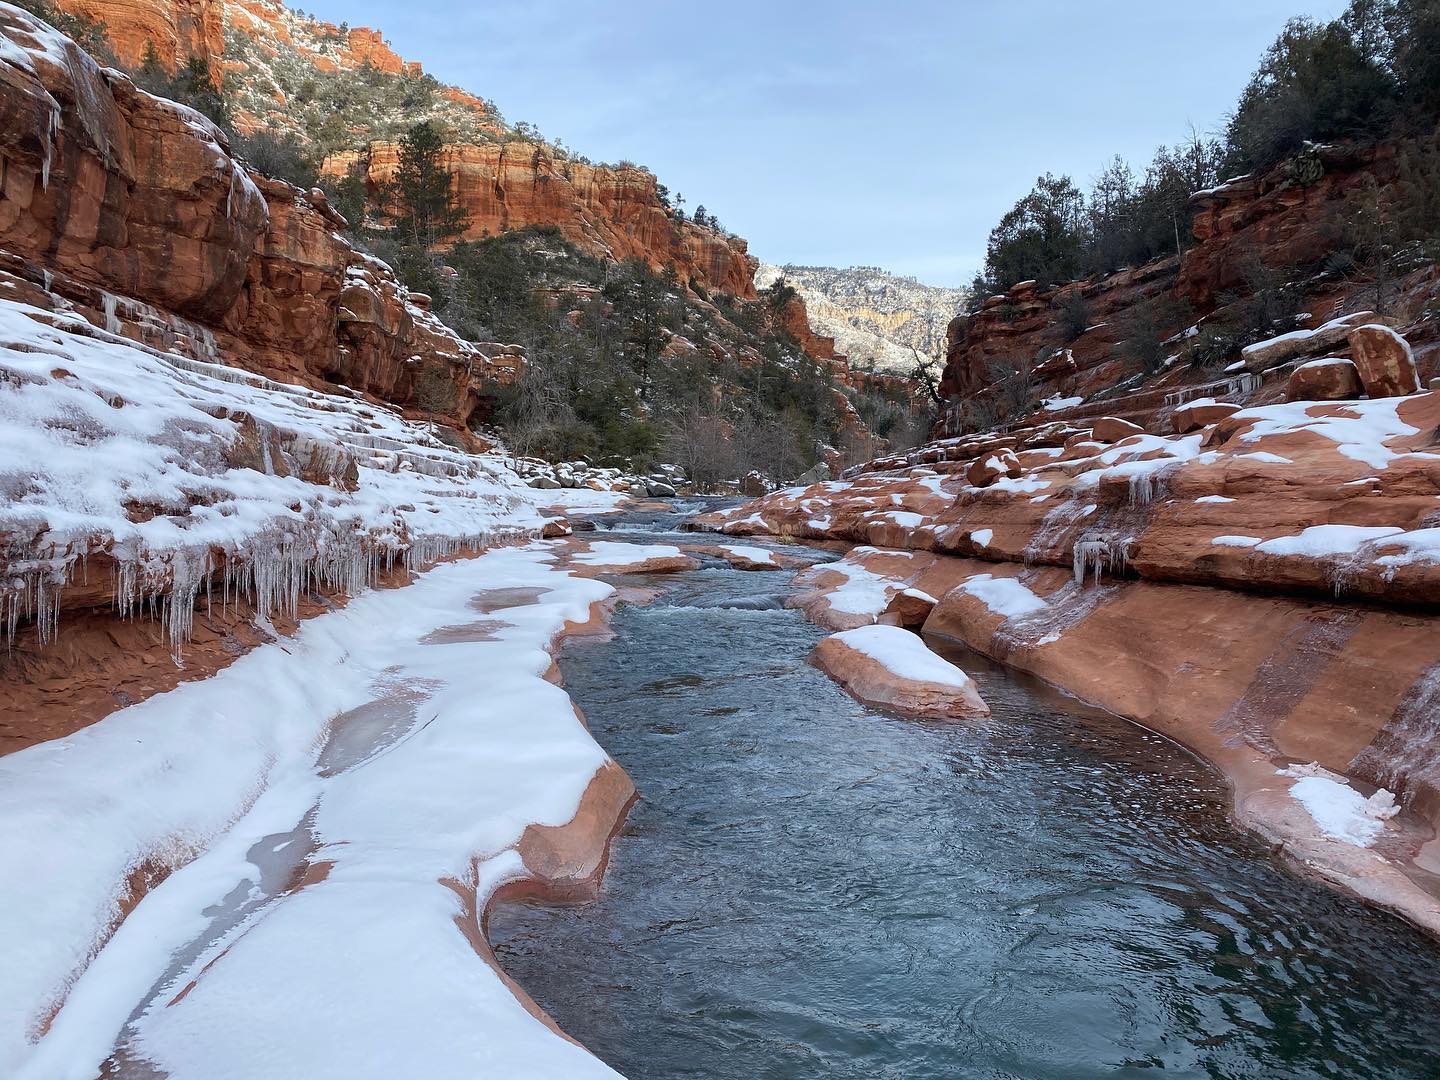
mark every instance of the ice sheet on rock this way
{"type": "Point", "coordinates": [903, 654]}
{"type": "Point", "coordinates": [372, 961]}
{"type": "Point", "coordinates": [1231, 540]}
{"type": "Point", "coordinates": [613, 553]}
{"type": "Point", "coordinates": [1340, 811]}
{"type": "Point", "coordinates": [1002, 595]}
{"type": "Point", "coordinates": [1265, 456]}
{"type": "Point", "coordinates": [982, 537]}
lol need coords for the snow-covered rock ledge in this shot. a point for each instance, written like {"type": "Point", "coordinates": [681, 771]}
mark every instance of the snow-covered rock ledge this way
{"type": "Point", "coordinates": [891, 668]}
{"type": "Point", "coordinates": [323, 824]}
{"type": "Point", "coordinates": [150, 481]}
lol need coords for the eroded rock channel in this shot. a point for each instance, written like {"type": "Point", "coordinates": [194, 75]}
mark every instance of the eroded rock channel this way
{"type": "Point", "coordinates": [811, 888]}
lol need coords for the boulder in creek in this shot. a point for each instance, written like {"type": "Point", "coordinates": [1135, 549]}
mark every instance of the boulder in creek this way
{"type": "Point", "coordinates": [891, 668]}
{"type": "Point", "coordinates": [544, 483]}
{"type": "Point", "coordinates": [658, 489]}
{"type": "Point", "coordinates": [815, 475]}
{"type": "Point", "coordinates": [1384, 361]}
{"type": "Point", "coordinates": [909, 608]}
{"type": "Point", "coordinates": [1333, 378]}
{"type": "Point", "coordinates": [754, 484]}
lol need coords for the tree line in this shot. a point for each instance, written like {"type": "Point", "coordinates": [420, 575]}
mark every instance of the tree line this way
{"type": "Point", "coordinates": [1372, 73]}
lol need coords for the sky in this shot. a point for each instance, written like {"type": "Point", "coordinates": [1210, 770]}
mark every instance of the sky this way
{"type": "Point", "coordinates": [848, 132]}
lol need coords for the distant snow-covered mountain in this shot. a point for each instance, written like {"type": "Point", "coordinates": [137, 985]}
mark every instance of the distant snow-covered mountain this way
{"type": "Point", "coordinates": [874, 316]}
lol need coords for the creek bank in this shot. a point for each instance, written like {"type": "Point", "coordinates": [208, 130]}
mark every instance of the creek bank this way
{"type": "Point", "coordinates": [437, 768]}
{"type": "Point", "coordinates": [1255, 685]}
{"type": "Point", "coordinates": [1259, 583]}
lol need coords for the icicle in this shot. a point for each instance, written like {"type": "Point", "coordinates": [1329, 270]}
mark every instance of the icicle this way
{"type": "Point", "coordinates": [1101, 555]}
{"type": "Point", "coordinates": [50, 132]}
{"type": "Point", "coordinates": [1143, 487]}
{"type": "Point", "coordinates": [112, 321]}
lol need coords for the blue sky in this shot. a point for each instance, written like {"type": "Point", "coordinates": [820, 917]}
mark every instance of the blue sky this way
{"type": "Point", "coordinates": [848, 132]}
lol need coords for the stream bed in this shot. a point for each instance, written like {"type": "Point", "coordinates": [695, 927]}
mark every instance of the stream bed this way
{"type": "Point", "coordinates": [809, 888]}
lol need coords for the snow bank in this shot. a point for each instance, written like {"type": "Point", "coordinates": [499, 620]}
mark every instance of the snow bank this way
{"type": "Point", "coordinates": [761, 555]}
{"type": "Point", "coordinates": [611, 553]}
{"type": "Point", "coordinates": [864, 592]}
{"type": "Point", "coordinates": [1359, 429]}
{"type": "Point", "coordinates": [1319, 541]}
{"type": "Point", "coordinates": [1004, 596]}
{"type": "Point", "coordinates": [578, 500]}
{"type": "Point", "coordinates": [365, 972]}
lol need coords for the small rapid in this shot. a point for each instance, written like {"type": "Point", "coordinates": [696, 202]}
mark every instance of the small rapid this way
{"type": "Point", "coordinates": [809, 888]}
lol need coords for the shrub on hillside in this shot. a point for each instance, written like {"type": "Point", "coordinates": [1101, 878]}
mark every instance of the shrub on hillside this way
{"type": "Point", "coordinates": [278, 154]}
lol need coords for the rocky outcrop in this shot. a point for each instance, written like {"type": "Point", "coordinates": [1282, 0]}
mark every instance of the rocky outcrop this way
{"type": "Point", "coordinates": [614, 212]}
{"type": "Point", "coordinates": [795, 320]}
{"type": "Point", "coordinates": [129, 209]}
{"type": "Point", "coordinates": [873, 317]}
{"type": "Point", "coordinates": [1284, 217]}
{"type": "Point", "coordinates": [1062, 346]}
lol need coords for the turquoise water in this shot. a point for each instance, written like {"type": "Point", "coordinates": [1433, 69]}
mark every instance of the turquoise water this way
{"type": "Point", "coordinates": [810, 889]}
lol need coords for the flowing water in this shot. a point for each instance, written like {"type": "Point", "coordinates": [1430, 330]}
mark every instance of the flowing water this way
{"type": "Point", "coordinates": [809, 888]}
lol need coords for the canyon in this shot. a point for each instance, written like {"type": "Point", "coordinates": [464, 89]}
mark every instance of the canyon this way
{"type": "Point", "coordinates": [288, 628]}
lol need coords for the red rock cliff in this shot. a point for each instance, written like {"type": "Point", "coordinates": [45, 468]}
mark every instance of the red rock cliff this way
{"type": "Point", "coordinates": [1285, 219]}
{"type": "Point", "coordinates": [130, 208]}
{"type": "Point", "coordinates": [614, 212]}
{"type": "Point", "coordinates": [176, 29]}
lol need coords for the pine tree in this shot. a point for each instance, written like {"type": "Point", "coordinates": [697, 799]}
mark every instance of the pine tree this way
{"type": "Point", "coordinates": [152, 75]}
{"type": "Point", "coordinates": [425, 210]}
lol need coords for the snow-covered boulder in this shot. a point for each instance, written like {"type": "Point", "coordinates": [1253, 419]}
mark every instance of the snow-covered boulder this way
{"type": "Point", "coordinates": [891, 668]}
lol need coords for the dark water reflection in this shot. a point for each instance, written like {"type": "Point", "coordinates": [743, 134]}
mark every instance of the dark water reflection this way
{"type": "Point", "coordinates": [809, 889]}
